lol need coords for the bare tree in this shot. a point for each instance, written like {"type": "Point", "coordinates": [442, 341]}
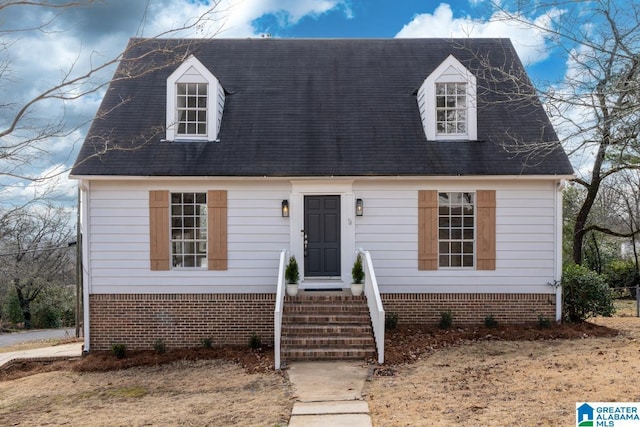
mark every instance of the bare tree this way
{"type": "Point", "coordinates": [626, 205]}
{"type": "Point", "coordinates": [596, 107]}
{"type": "Point", "coordinates": [30, 238]}
{"type": "Point", "coordinates": [35, 254]}
{"type": "Point", "coordinates": [25, 131]}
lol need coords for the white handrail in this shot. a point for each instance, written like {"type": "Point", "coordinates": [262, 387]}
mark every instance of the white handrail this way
{"type": "Point", "coordinates": [277, 314]}
{"type": "Point", "coordinates": [376, 311]}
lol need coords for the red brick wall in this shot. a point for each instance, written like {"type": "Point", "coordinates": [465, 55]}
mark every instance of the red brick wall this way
{"type": "Point", "coordinates": [180, 320]}
{"type": "Point", "coordinates": [183, 320]}
{"type": "Point", "coordinates": [470, 308]}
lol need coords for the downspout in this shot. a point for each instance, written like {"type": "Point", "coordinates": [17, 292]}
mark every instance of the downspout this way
{"type": "Point", "coordinates": [83, 204]}
{"type": "Point", "coordinates": [558, 259]}
{"type": "Point", "coordinates": [78, 266]}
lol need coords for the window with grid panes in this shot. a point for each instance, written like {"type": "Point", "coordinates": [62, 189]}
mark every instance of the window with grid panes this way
{"type": "Point", "coordinates": [191, 102]}
{"type": "Point", "coordinates": [456, 229]}
{"type": "Point", "coordinates": [189, 230]}
{"type": "Point", "coordinates": [451, 108]}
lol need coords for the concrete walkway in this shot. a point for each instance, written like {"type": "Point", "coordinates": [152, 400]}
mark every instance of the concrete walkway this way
{"type": "Point", "coordinates": [63, 351]}
{"type": "Point", "coordinates": [329, 393]}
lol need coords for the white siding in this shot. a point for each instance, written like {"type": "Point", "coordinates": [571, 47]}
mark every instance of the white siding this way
{"type": "Point", "coordinates": [525, 238]}
{"type": "Point", "coordinates": [119, 239]}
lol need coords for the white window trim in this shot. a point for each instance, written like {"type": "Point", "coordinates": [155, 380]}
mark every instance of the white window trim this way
{"type": "Point", "coordinates": [427, 100]}
{"type": "Point", "coordinates": [213, 112]}
{"type": "Point", "coordinates": [195, 239]}
{"type": "Point", "coordinates": [475, 231]}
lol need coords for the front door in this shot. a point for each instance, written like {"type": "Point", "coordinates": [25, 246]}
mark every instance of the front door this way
{"type": "Point", "coordinates": [322, 236]}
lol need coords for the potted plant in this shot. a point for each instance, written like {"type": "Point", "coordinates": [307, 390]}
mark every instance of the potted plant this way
{"type": "Point", "coordinates": [291, 276]}
{"type": "Point", "coordinates": [357, 274]}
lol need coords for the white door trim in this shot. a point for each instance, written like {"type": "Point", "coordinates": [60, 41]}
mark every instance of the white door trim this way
{"type": "Point", "coordinates": [343, 188]}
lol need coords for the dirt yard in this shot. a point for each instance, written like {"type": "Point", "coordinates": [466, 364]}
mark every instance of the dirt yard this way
{"type": "Point", "coordinates": [185, 393]}
{"type": "Point", "coordinates": [498, 383]}
{"type": "Point", "coordinates": [504, 376]}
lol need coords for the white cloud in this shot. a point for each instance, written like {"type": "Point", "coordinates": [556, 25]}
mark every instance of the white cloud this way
{"type": "Point", "coordinates": [529, 41]}
{"type": "Point", "coordinates": [233, 18]}
{"type": "Point", "coordinates": [52, 183]}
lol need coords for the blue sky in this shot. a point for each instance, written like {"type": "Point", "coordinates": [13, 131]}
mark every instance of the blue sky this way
{"type": "Point", "coordinates": [388, 19]}
{"type": "Point", "coordinates": [79, 37]}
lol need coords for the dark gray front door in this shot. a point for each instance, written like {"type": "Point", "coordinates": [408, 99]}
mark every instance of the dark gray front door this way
{"type": "Point", "coordinates": [322, 230]}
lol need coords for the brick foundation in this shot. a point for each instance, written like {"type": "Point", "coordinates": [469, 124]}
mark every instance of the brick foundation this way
{"type": "Point", "coordinates": [470, 308]}
{"type": "Point", "coordinates": [180, 320]}
{"type": "Point", "coordinates": [183, 320]}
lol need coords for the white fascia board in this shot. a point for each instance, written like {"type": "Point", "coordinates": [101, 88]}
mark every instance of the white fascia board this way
{"type": "Point", "coordinates": [327, 178]}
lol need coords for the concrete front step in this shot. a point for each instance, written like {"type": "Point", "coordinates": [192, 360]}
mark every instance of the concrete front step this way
{"type": "Point", "coordinates": [340, 330]}
{"type": "Point", "coordinates": [321, 319]}
{"type": "Point", "coordinates": [303, 353]}
{"type": "Point", "coordinates": [328, 342]}
{"type": "Point", "coordinates": [326, 308]}
{"type": "Point", "coordinates": [305, 297]}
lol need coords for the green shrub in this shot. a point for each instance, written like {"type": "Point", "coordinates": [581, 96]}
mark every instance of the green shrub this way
{"type": "Point", "coordinates": [623, 277]}
{"type": "Point", "coordinates": [585, 294]}
{"type": "Point", "coordinates": [490, 322]}
{"type": "Point", "coordinates": [207, 342]}
{"type": "Point", "coordinates": [255, 342]}
{"type": "Point", "coordinates": [68, 317]}
{"type": "Point", "coordinates": [390, 320]}
{"type": "Point", "coordinates": [11, 311]}
{"type": "Point", "coordinates": [446, 319]}
{"type": "Point", "coordinates": [159, 346]}
{"type": "Point", "coordinates": [357, 273]}
{"type": "Point", "coordinates": [543, 322]}
{"type": "Point", "coordinates": [291, 273]}
{"type": "Point", "coordinates": [46, 316]}
{"type": "Point", "coordinates": [54, 307]}
{"type": "Point", "coordinates": [119, 350]}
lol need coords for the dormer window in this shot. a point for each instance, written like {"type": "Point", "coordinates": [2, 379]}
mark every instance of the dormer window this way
{"type": "Point", "coordinates": [195, 101]}
{"type": "Point", "coordinates": [447, 105]}
{"type": "Point", "coordinates": [451, 108]}
{"type": "Point", "coordinates": [191, 107]}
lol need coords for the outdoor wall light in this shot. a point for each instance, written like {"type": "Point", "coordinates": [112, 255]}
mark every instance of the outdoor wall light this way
{"type": "Point", "coordinates": [359, 207]}
{"type": "Point", "coordinates": [285, 208]}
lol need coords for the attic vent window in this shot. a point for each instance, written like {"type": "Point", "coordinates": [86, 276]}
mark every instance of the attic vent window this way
{"type": "Point", "coordinates": [191, 105]}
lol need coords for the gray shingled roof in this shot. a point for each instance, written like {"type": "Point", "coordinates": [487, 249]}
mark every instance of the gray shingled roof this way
{"type": "Point", "coordinates": [319, 108]}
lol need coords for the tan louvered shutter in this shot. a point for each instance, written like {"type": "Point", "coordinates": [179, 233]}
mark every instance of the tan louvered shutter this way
{"type": "Point", "coordinates": [217, 218]}
{"type": "Point", "coordinates": [427, 230]}
{"type": "Point", "coordinates": [159, 229]}
{"type": "Point", "coordinates": [486, 233]}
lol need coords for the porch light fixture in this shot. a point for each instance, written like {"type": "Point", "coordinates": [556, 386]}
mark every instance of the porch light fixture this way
{"type": "Point", "coordinates": [285, 208]}
{"type": "Point", "coordinates": [359, 207]}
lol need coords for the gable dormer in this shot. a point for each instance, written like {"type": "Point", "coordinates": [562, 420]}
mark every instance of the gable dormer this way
{"type": "Point", "coordinates": [447, 103]}
{"type": "Point", "coordinates": [195, 100]}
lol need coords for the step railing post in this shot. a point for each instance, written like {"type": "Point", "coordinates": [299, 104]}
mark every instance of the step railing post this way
{"type": "Point", "coordinates": [374, 301]}
{"type": "Point", "coordinates": [277, 314]}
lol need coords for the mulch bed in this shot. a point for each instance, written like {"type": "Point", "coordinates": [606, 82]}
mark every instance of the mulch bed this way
{"type": "Point", "coordinates": [404, 344]}
{"type": "Point", "coordinates": [407, 343]}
